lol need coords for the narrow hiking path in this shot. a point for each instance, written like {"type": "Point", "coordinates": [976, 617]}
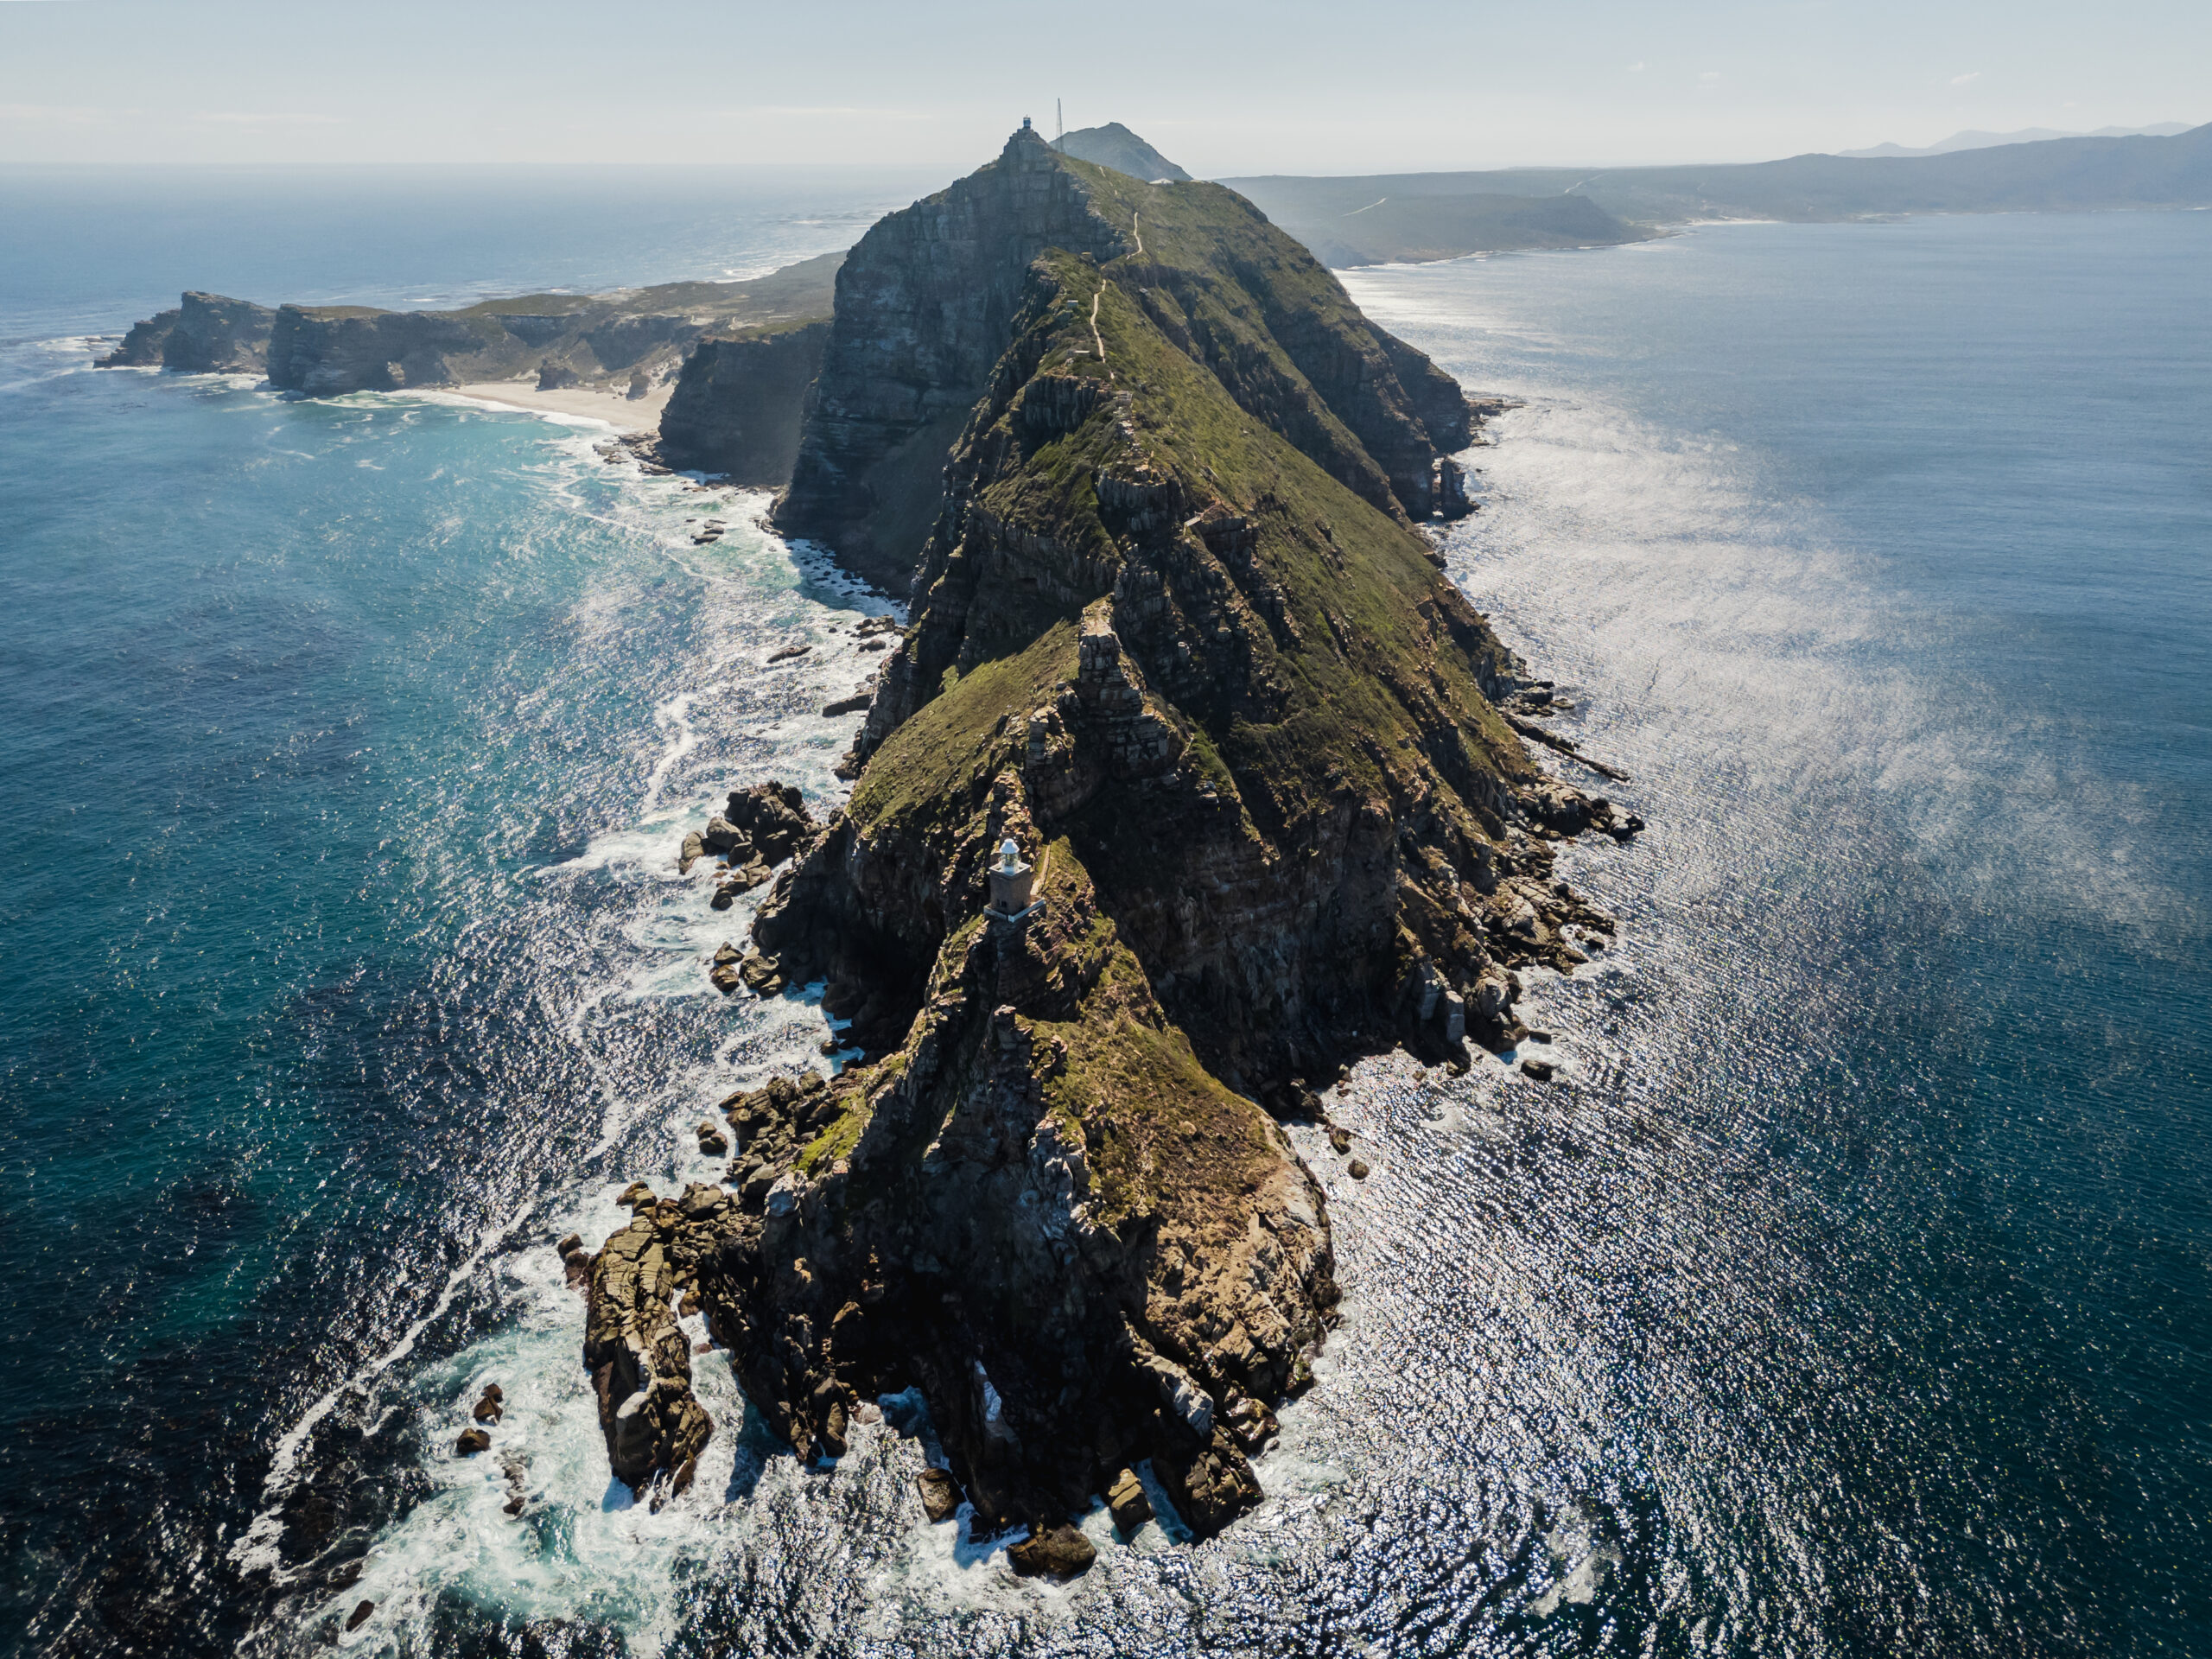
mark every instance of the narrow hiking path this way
{"type": "Point", "coordinates": [1097, 339]}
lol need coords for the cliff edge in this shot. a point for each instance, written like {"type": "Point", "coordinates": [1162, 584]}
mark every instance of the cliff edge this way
{"type": "Point", "coordinates": [1185, 787]}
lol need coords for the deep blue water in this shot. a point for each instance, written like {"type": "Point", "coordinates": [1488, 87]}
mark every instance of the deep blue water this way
{"type": "Point", "coordinates": [1850, 1295]}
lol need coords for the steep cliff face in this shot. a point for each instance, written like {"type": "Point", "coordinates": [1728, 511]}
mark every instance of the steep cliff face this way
{"type": "Point", "coordinates": [207, 333]}
{"type": "Point", "coordinates": [922, 306]}
{"type": "Point", "coordinates": [1174, 637]}
{"type": "Point", "coordinates": [327, 350]}
{"type": "Point", "coordinates": [737, 404]}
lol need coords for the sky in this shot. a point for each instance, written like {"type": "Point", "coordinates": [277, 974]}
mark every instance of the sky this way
{"type": "Point", "coordinates": [1225, 89]}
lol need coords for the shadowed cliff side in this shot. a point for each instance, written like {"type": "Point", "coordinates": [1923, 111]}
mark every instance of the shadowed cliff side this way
{"type": "Point", "coordinates": [207, 333]}
{"type": "Point", "coordinates": [924, 303]}
{"type": "Point", "coordinates": [1175, 637]}
{"type": "Point", "coordinates": [737, 404]}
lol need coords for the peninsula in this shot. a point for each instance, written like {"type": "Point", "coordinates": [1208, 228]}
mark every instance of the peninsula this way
{"type": "Point", "coordinates": [617, 357]}
{"type": "Point", "coordinates": [1186, 786]}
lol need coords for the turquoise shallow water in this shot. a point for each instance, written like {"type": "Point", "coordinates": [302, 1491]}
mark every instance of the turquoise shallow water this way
{"type": "Point", "coordinates": [1849, 1296]}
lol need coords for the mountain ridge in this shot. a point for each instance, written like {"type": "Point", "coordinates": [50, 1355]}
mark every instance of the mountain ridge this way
{"type": "Point", "coordinates": [1185, 787]}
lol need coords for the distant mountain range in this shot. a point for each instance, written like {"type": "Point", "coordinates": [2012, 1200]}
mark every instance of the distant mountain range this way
{"type": "Point", "coordinates": [1390, 217]}
{"type": "Point", "coordinates": [1435, 215]}
{"type": "Point", "coordinates": [1972, 139]}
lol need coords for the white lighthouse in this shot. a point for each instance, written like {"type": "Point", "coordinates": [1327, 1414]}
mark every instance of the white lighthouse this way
{"type": "Point", "coordinates": [1010, 883]}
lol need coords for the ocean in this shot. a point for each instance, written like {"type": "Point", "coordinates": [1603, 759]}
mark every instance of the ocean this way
{"type": "Point", "coordinates": [1847, 1294]}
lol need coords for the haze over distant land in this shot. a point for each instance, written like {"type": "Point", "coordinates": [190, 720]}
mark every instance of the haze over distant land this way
{"type": "Point", "coordinates": [1413, 216]}
{"type": "Point", "coordinates": [1971, 139]}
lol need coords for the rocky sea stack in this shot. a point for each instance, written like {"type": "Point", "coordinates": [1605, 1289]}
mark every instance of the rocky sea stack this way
{"type": "Point", "coordinates": [1176, 634]}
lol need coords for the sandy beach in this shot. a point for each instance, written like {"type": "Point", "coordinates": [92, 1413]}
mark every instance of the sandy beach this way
{"type": "Point", "coordinates": [599, 404]}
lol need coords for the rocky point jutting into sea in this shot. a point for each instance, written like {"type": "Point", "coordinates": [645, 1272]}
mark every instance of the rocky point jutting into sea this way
{"type": "Point", "coordinates": [1186, 786]}
{"type": "Point", "coordinates": [1191, 780]}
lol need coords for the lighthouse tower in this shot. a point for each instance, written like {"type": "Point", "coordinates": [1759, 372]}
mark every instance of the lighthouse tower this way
{"type": "Point", "coordinates": [1010, 883]}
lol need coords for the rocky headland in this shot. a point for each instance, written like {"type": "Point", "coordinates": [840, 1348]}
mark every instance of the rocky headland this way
{"type": "Point", "coordinates": [734, 357]}
{"type": "Point", "coordinates": [207, 334]}
{"type": "Point", "coordinates": [1186, 786]}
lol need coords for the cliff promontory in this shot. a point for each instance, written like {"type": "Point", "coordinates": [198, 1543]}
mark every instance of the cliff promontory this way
{"type": "Point", "coordinates": [207, 334]}
{"type": "Point", "coordinates": [1185, 787]}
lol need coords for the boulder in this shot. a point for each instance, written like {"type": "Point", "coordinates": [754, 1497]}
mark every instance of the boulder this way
{"type": "Point", "coordinates": [762, 975]}
{"type": "Point", "coordinates": [1058, 1552]}
{"type": "Point", "coordinates": [360, 1616]}
{"type": "Point", "coordinates": [940, 1493]}
{"type": "Point", "coordinates": [1127, 1502]}
{"type": "Point", "coordinates": [713, 1143]}
{"type": "Point", "coordinates": [1212, 1488]}
{"type": "Point", "coordinates": [570, 1245]}
{"type": "Point", "coordinates": [471, 1441]}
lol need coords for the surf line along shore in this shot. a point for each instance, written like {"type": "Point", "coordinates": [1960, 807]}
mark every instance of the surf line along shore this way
{"type": "Point", "coordinates": [1177, 633]}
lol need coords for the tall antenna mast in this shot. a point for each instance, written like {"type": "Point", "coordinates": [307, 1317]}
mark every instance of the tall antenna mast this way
{"type": "Point", "coordinates": [1059, 127]}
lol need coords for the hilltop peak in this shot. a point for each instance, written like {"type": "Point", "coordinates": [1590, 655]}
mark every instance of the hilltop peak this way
{"type": "Point", "coordinates": [1114, 145]}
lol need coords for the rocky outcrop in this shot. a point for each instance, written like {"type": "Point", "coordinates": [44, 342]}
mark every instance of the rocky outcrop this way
{"type": "Point", "coordinates": [737, 404]}
{"type": "Point", "coordinates": [207, 333]}
{"type": "Point", "coordinates": [142, 347]}
{"type": "Point", "coordinates": [1175, 637]}
{"type": "Point", "coordinates": [638, 1358]}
